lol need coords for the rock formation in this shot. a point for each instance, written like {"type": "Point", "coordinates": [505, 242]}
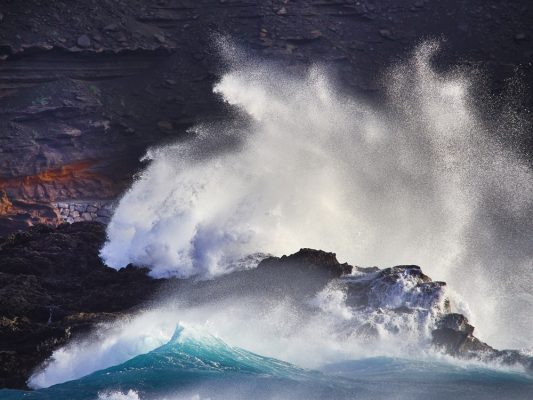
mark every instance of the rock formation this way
{"type": "Point", "coordinates": [53, 286]}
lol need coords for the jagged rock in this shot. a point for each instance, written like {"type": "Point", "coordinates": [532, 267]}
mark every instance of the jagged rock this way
{"type": "Point", "coordinates": [367, 331]}
{"type": "Point", "coordinates": [104, 213]}
{"type": "Point", "coordinates": [111, 27]}
{"type": "Point", "coordinates": [314, 259]}
{"type": "Point", "coordinates": [59, 89]}
{"type": "Point", "coordinates": [455, 336]}
{"type": "Point", "coordinates": [457, 322]}
{"type": "Point", "coordinates": [53, 286]}
{"type": "Point", "coordinates": [385, 33]}
{"type": "Point", "coordinates": [457, 342]}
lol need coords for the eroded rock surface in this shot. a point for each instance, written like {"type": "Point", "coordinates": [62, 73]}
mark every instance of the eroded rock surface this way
{"type": "Point", "coordinates": [53, 286]}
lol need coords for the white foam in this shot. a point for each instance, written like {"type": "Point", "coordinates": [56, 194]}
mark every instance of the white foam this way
{"type": "Point", "coordinates": [112, 344]}
{"type": "Point", "coordinates": [308, 335]}
{"type": "Point", "coordinates": [130, 395]}
{"type": "Point", "coordinates": [419, 181]}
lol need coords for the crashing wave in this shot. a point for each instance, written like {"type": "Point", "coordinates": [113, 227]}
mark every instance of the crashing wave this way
{"type": "Point", "coordinates": [422, 179]}
{"type": "Point", "coordinates": [307, 309]}
{"type": "Point", "coordinates": [196, 364]}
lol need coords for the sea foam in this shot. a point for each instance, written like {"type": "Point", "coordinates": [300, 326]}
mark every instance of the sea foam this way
{"type": "Point", "coordinates": [424, 180]}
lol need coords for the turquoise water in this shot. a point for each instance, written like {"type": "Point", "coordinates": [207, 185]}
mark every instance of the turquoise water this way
{"type": "Point", "coordinates": [198, 366]}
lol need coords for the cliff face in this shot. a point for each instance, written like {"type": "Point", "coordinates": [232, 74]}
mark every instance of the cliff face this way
{"type": "Point", "coordinates": [87, 86]}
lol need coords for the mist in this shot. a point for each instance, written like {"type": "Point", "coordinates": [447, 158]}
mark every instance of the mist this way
{"type": "Point", "coordinates": [424, 179]}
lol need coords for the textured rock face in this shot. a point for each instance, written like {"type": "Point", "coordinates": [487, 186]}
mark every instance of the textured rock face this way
{"type": "Point", "coordinates": [455, 336]}
{"type": "Point", "coordinates": [53, 286]}
{"type": "Point", "coordinates": [87, 85]}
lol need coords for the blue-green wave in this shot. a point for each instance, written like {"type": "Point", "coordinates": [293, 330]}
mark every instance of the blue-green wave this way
{"type": "Point", "coordinates": [196, 364]}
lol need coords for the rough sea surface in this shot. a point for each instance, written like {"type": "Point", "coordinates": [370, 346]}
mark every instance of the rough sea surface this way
{"type": "Point", "coordinates": [196, 365]}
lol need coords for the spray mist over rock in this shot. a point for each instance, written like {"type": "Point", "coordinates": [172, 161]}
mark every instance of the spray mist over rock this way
{"type": "Point", "coordinates": [422, 180]}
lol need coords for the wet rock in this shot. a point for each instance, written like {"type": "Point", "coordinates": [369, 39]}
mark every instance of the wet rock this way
{"type": "Point", "coordinates": [54, 287]}
{"type": "Point", "coordinates": [111, 27]}
{"type": "Point", "coordinates": [457, 322]}
{"type": "Point", "coordinates": [104, 213]}
{"type": "Point", "coordinates": [367, 331]}
{"type": "Point", "coordinates": [165, 126]}
{"type": "Point", "coordinates": [160, 38]}
{"type": "Point", "coordinates": [310, 259]}
{"type": "Point", "coordinates": [455, 336]}
{"type": "Point", "coordinates": [83, 41]}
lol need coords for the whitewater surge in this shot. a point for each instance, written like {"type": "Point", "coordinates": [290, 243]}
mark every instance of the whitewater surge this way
{"type": "Point", "coordinates": [195, 364]}
{"type": "Point", "coordinates": [388, 313]}
{"type": "Point", "coordinates": [422, 180]}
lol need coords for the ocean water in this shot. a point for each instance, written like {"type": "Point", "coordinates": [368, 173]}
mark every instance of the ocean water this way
{"type": "Point", "coordinates": [196, 365]}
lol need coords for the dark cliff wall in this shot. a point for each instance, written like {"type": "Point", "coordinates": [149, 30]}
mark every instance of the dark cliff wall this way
{"type": "Point", "coordinates": [87, 85]}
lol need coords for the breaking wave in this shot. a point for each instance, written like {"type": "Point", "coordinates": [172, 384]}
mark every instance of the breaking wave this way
{"type": "Point", "coordinates": [424, 180]}
{"type": "Point", "coordinates": [195, 364]}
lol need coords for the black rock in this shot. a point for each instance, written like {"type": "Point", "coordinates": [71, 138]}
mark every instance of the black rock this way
{"type": "Point", "coordinates": [84, 41]}
{"type": "Point", "coordinates": [53, 286]}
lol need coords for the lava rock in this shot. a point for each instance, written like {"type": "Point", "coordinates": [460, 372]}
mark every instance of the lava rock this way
{"type": "Point", "coordinates": [84, 41]}
{"type": "Point", "coordinates": [53, 287]}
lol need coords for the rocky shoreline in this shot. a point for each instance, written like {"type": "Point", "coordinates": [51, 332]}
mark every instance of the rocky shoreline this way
{"type": "Point", "coordinates": [54, 288]}
{"type": "Point", "coordinates": [86, 86]}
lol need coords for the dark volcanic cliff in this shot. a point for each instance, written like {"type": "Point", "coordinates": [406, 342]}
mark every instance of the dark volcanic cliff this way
{"type": "Point", "coordinates": [87, 86]}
